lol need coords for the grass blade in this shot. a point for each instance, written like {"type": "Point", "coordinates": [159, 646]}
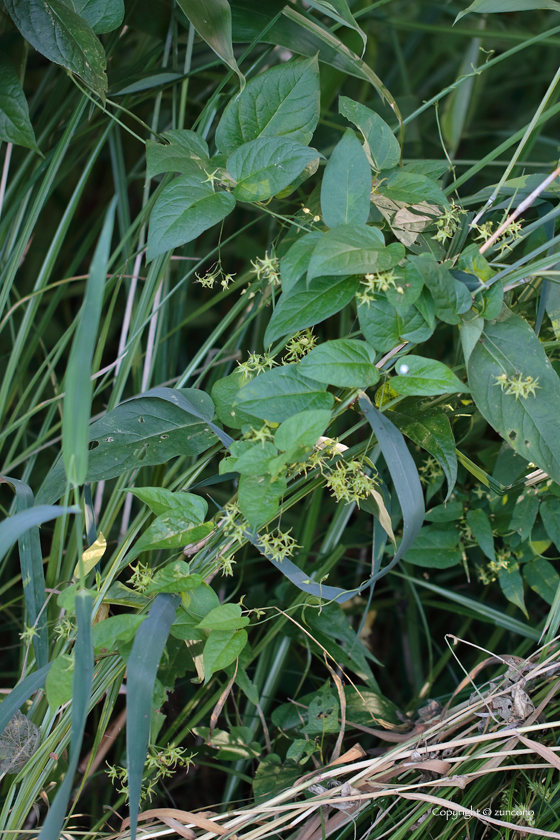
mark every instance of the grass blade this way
{"type": "Point", "coordinates": [143, 663]}
{"type": "Point", "coordinates": [405, 478]}
{"type": "Point", "coordinates": [32, 574]}
{"type": "Point", "coordinates": [79, 388]}
{"type": "Point", "coordinates": [12, 528]}
{"type": "Point", "coordinates": [83, 676]}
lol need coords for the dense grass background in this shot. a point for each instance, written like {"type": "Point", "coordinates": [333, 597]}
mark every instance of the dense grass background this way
{"type": "Point", "coordinates": [160, 327]}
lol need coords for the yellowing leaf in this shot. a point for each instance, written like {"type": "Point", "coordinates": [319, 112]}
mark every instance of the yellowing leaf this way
{"type": "Point", "coordinates": [92, 556]}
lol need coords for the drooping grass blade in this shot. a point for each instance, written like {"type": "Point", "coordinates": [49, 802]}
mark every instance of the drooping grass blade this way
{"type": "Point", "coordinates": [79, 387]}
{"type": "Point", "coordinates": [143, 663]}
{"type": "Point", "coordinates": [32, 574]}
{"type": "Point", "coordinates": [83, 676]}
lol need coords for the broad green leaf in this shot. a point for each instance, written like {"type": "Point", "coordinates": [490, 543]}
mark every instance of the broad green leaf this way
{"type": "Point", "coordinates": [550, 515]}
{"type": "Point", "coordinates": [382, 145]}
{"type": "Point", "coordinates": [57, 32]}
{"type": "Point", "coordinates": [267, 165]}
{"type": "Point", "coordinates": [105, 633]}
{"type": "Point", "coordinates": [473, 262]}
{"type": "Point", "coordinates": [79, 387]}
{"type": "Point", "coordinates": [295, 262]}
{"type": "Point", "coordinates": [81, 691]}
{"type": "Point", "coordinates": [511, 583]}
{"type": "Point", "coordinates": [492, 301]}
{"type": "Point", "coordinates": [435, 549]}
{"type": "Point", "coordinates": [185, 153]}
{"type": "Point", "coordinates": [185, 208]}
{"type": "Point", "coordinates": [212, 21]}
{"type": "Point", "coordinates": [304, 307]}
{"type": "Point", "coordinates": [91, 556]}
{"type": "Point", "coordinates": [346, 185]}
{"type": "Point", "coordinates": [449, 512]}
{"type": "Point", "coordinates": [529, 424]}
{"type": "Point", "coordinates": [254, 461]}
{"type": "Point", "coordinates": [451, 297]}
{"type": "Point", "coordinates": [542, 577]}
{"type": "Point", "coordinates": [433, 169]}
{"type": "Point", "coordinates": [277, 394]}
{"type": "Point", "coordinates": [123, 596]}
{"type": "Point", "coordinates": [224, 617]}
{"type": "Point", "coordinates": [384, 327]}
{"type": "Point", "coordinates": [142, 667]}
{"type": "Point", "coordinates": [32, 571]}
{"type": "Point", "coordinates": [102, 15]}
{"type": "Point", "coordinates": [224, 392]}
{"type": "Point", "coordinates": [330, 627]}
{"type": "Point", "coordinates": [174, 577]}
{"type": "Point", "coordinates": [15, 125]}
{"type": "Point", "coordinates": [221, 649]}
{"type": "Point", "coordinates": [431, 430]}
{"type": "Point", "coordinates": [368, 707]}
{"type": "Point", "coordinates": [281, 102]}
{"type": "Point", "coordinates": [300, 750]}
{"type": "Point", "coordinates": [338, 10]}
{"type": "Point", "coordinates": [525, 514]}
{"type": "Point", "coordinates": [235, 745]}
{"type": "Point", "coordinates": [141, 432]}
{"type": "Point", "coordinates": [418, 376]}
{"type": "Point", "coordinates": [301, 431]}
{"type": "Point", "coordinates": [489, 6]}
{"type": "Point", "coordinates": [408, 288]}
{"type": "Point", "coordinates": [59, 681]}
{"type": "Point", "coordinates": [171, 530]}
{"type": "Point", "coordinates": [159, 500]}
{"type": "Point", "coordinates": [67, 598]}
{"type": "Point", "coordinates": [323, 712]}
{"type": "Point", "coordinates": [481, 530]}
{"type": "Point", "coordinates": [470, 331]}
{"type": "Point", "coordinates": [412, 188]}
{"type": "Point", "coordinates": [344, 362]}
{"type": "Point", "coordinates": [271, 777]}
{"type": "Point", "coordinates": [259, 497]}
{"type": "Point", "coordinates": [353, 249]}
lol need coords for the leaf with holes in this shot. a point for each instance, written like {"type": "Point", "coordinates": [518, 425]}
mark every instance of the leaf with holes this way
{"type": "Point", "coordinates": [141, 432]}
{"type": "Point", "coordinates": [18, 742]}
{"type": "Point", "coordinates": [529, 424]}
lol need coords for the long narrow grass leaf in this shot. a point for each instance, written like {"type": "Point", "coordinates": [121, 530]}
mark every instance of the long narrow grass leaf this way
{"type": "Point", "coordinates": [79, 388]}
{"type": "Point", "coordinates": [404, 474]}
{"type": "Point", "coordinates": [81, 691]}
{"type": "Point", "coordinates": [143, 663]}
{"type": "Point", "coordinates": [12, 528]}
{"type": "Point", "coordinates": [32, 574]}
